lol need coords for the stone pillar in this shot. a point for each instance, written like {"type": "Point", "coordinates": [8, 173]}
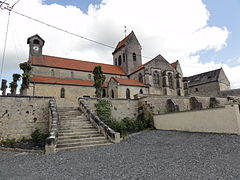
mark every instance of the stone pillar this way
{"type": "Point", "coordinates": [185, 86]}
{"type": "Point", "coordinates": [165, 84]}
{"type": "Point", "coordinates": [147, 77]}
{"type": "Point", "coordinates": [4, 87]}
{"type": "Point", "coordinates": [179, 85]}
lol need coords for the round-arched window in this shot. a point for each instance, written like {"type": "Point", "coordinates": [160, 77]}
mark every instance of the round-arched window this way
{"type": "Point", "coordinates": [112, 94]}
{"type": "Point", "coordinates": [134, 56]}
{"type": "Point", "coordinates": [119, 60]}
{"type": "Point", "coordinates": [62, 93]}
{"type": "Point", "coordinates": [128, 94]}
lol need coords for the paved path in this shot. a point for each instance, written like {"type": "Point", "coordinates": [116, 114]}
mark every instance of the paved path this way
{"type": "Point", "coordinates": [150, 155]}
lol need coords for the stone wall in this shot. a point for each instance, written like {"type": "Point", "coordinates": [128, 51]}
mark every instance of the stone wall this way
{"type": "Point", "coordinates": [120, 108]}
{"type": "Point", "coordinates": [231, 92]}
{"type": "Point", "coordinates": [217, 120]}
{"type": "Point", "coordinates": [207, 89]}
{"type": "Point", "coordinates": [19, 116]}
{"type": "Point", "coordinates": [72, 93]}
{"type": "Point", "coordinates": [159, 102]}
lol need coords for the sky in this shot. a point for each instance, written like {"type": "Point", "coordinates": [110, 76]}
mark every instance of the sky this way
{"type": "Point", "coordinates": [202, 34]}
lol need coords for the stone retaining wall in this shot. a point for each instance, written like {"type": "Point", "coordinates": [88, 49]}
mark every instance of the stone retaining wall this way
{"type": "Point", "coordinates": [120, 108]}
{"type": "Point", "coordinates": [217, 120]}
{"type": "Point", "coordinates": [19, 116]}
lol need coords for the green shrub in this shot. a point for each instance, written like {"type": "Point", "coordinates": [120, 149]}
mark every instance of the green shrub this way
{"type": "Point", "coordinates": [39, 137]}
{"type": "Point", "coordinates": [126, 125]}
{"type": "Point", "coordinates": [103, 109]}
{"type": "Point", "coordinates": [8, 142]}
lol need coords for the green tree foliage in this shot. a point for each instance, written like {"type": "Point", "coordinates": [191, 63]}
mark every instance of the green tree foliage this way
{"type": "Point", "coordinates": [13, 85]}
{"type": "Point", "coordinates": [99, 79]}
{"type": "Point", "coordinates": [26, 68]}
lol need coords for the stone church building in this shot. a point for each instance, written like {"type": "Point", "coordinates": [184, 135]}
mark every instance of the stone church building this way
{"type": "Point", "coordinates": [69, 79]}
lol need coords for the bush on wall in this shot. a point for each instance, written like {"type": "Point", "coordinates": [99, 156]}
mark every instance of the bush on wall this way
{"type": "Point", "coordinates": [126, 125]}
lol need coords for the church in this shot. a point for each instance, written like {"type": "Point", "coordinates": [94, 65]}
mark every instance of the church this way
{"type": "Point", "coordinates": [68, 79]}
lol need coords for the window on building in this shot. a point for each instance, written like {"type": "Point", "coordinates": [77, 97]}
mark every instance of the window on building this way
{"type": "Point", "coordinates": [156, 78]}
{"type": "Point", "coordinates": [72, 75]}
{"type": "Point", "coordinates": [124, 58]}
{"type": "Point", "coordinates": [134, 56]}
{"type": "Point", "coordinates": [116, 61]}
{"type": "Point", "coordinates": [140, 77]}
{"type": "Point", "coordinates": [196, 89]}
{"type": "Point", "coordinates": [52, 73]}
{"type": "Point", "coordinates": [104, 93]}
{"type": "Point", "coordinates": [170, 80]}
{"type": "Point", "coordinates": [112, 93]}
{"type": "Point", "coordinates": [141, 91]}
{"type": "Point", "coordinates": [128, 93]}
{"type": "Point", "coordinates": [178, 83]}
{"type": "Point", "coordinates": [89, 76]}
{"type": "Point", "coordinates": [36, 41]}
{"type": "Point", "coordinates": [119, 60]}
{"type": "Point", "coordinates": [62, 93]}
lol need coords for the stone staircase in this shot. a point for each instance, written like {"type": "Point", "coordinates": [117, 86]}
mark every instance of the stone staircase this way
{"type": "Point", "coordinates": [76, 132]}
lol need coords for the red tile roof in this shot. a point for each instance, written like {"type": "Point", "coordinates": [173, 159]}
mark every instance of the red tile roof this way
{"type": "Point", "coordinates": [174, 64]}
{"type": "Point", "coordinates": [53, 80]}
{"type": "Point", "coordinates": [58, 62]}
{"type": "Point", "coordinates": [122, 42]}
{"type": "Point", "coordinates": [129, 82]}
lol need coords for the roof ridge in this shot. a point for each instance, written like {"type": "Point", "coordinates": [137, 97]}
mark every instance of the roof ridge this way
{"type": "Point", "coordinates": [206, 72]}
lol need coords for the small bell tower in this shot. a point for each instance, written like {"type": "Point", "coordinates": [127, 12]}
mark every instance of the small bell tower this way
{"type": "Point", "coordinates": [36, 44]}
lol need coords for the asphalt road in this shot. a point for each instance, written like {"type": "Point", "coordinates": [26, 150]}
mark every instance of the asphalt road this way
{"type": "Point", "coordinates": [149, 155]}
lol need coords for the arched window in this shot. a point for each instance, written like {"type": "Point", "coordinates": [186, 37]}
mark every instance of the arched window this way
{"type": "Point", "coordinates": [103, 93]}
{"type": "Point", "coordinates": [36, 41]}
{"type": "Point", "coordinates": [72, 75]}
{"type": "Point", "coordinates": [52, 73]}
{"type": "Point", "coordinates": [62, 93]}
{"type": "Point", "coordinates": [128, 94]}
{"type": "Point", "coordinates": [170, 80]}
{"type": "Point", "coordinates": [124, 57]}
{"type": "Point", "coordinates": [140, 77]}
{"type": "Point", "coordinates": [89, 76]}
{"type": "Point", "coordinates": [141, 91]}
{"type": "Point", "coordinates": [119, 60]}
{"type": "Point", "coordinates": [112, 93]}
{"type": "Point", "coordinates": [116, 61]}
{"type": "Point", "coordinates": [134, 56]}
{"type": "Point", "coordinates": [156, 79]}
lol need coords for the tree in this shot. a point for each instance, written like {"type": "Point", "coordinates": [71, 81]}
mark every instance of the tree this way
{"type": "Point", "coordinates": [13, 85]}
{"type": "Point", "coordinates": [26, 67]}
{"type": "Point", "coordinates": [99, 79]}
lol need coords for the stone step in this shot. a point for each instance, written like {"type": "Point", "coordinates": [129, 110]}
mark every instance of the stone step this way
{"type": "Point", "coordinates": [80, 136]}
{"type": "Point", "coordinates": [75, 129]}
{"type": "Point", "coordinates": [75, 124]}
{"type": "Point", "coordinates": [72, 119]}
{"type": "Point", "coordinates": [82, 147]}
{"type": "Point", "coordinates": [80, 140]}
{"type": "Point", "coordinates": [93, 142]}
{"type": "Point", "coordinates": [84, 132]}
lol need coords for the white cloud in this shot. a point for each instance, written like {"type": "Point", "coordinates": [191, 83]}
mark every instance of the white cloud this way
{"type": "Point", "coordinates": [176, 29]}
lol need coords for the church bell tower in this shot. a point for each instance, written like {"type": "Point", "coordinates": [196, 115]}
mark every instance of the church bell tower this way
{"type": "Point", "coordinates": [36, 44]}
{"type": "Point", "coordinates": [127, 54]}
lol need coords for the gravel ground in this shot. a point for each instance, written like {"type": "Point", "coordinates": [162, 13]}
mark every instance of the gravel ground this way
{"type": "Point", "coordinates": [149, 155]}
